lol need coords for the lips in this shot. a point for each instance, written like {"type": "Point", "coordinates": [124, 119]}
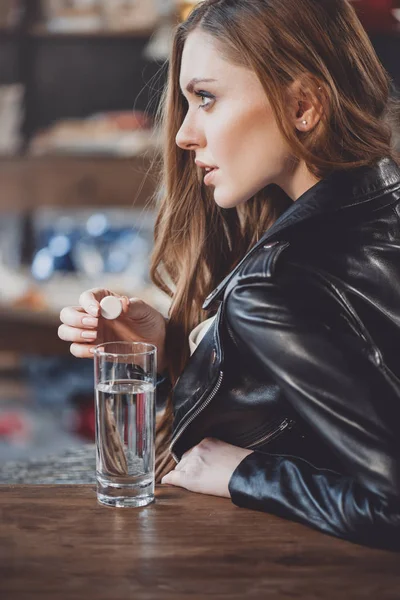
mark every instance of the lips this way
{"type": "Point", "coordinates": [203, 165]}
{"type": "Point", "coordinates": [209, 176]}
{"type": "Point", "coordinates": [209, 171]}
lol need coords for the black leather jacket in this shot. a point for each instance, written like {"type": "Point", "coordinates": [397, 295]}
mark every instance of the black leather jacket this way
{"type": "Point", "coordinates": [302, 363]}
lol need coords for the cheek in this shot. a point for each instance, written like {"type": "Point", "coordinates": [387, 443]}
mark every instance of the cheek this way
{"type": "Point", "coordinates": [248, 150]}
{"type": "Point", "coordinates": [241, 138]}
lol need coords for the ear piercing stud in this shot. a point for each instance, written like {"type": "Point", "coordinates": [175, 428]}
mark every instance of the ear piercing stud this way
{"type": "Point", "coordinates": [305, 122]}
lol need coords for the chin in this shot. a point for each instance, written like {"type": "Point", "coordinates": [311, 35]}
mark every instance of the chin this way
{"type": "Point", "coordinates": [226, 200]}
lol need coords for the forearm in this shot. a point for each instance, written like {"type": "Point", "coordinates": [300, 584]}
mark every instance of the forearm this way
{"type": "Point", "coordinates": [333, 503]}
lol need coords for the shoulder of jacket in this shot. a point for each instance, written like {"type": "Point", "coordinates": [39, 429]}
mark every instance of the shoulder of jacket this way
{"type": "Point", "coordinates": [264, 261]}
{"type": "Point", "coordinates": [260, 261]}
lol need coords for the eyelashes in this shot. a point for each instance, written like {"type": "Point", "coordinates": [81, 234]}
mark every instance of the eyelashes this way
{"type": "Point", "coordinates": [207, 98]}
{"type": "Point", "coordinates": [205, 95]}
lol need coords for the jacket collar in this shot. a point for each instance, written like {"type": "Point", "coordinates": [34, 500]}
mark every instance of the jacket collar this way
{"type": "Point", "coordinates": [338, 191]}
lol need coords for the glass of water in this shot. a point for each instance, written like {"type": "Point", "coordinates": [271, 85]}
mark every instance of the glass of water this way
{"type": "Point", "coordinates": [125, 382]}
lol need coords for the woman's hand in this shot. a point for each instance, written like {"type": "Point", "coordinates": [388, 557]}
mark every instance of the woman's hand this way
{"type": "Point", "coordinates": [85, 328]}
{"type": "Point", "coordinates": [207, 467]}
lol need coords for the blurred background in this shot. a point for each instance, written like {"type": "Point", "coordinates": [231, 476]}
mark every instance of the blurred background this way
{"type": "Point", "coordinates": [80, 83]}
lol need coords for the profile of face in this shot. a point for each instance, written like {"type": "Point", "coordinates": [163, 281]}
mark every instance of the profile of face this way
{"type": "Point", "coordinates": [230, 125]}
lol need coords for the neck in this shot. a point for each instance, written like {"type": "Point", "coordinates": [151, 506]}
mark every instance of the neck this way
{"type": "Point", "coordinates": [298, 181]}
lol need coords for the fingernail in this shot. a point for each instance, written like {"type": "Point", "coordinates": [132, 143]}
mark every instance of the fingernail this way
{"type": "Point", "coordinates": [91, 350]}
{"type": "Point", "coordinates": [89, 321]}
{"type": "Point", "coordinates": [93, 310]}
{"type": "Point", "coordinates": [89, 334]}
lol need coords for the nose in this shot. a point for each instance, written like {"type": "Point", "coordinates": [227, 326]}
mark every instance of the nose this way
{"type": "Point", "coordinates": [189, 136]}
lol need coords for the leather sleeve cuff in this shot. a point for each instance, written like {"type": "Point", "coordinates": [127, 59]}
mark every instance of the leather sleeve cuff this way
{"type": "Point", "coordinates": [249, 483]}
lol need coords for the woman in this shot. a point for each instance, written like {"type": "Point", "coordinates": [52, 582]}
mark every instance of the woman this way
{"type": "Point", "coordinates": [278, 239]}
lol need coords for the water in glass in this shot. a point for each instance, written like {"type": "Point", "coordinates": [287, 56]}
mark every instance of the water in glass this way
{"type": "Point", "coordinates": [125, 422]}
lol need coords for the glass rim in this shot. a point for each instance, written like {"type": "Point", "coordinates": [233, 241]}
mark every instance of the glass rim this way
{"type": "Point", "coordinates": [99, 352]}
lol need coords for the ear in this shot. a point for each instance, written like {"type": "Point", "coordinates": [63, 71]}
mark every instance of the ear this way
{"type": "Point", "coordinates": [305, 105]}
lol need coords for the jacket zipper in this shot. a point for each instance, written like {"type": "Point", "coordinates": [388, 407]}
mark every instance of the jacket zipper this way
{"type": "Point", "coordinates": [286, 423]}
{"type": "Point", "coordinates": [201, 407]}
{"type": "Point", "coordinates": [195, 414]}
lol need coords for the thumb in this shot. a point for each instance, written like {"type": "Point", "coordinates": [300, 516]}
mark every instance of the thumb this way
{"type": "Point", "coordinates": [138, 309]}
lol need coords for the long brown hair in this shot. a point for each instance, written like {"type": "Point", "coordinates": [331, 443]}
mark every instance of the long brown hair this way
{"type": "Point", "coordinates": [319, 42]}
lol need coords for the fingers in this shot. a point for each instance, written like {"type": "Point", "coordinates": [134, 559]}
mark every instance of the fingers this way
{"type": "Point", "coordinates": [73, 334]}
{"type": "Point", "coordinates": [80, 324]}
{"type": "Point", "coordinates": [79, 328]}
{"type": "Point", "coordinates": [173, 478]}
{"type": "Point", "coordinates": [89, 302]}
{"type": "Point", "coordinates": [82, 350]}
{"type": "Point", "coordinates": [75, 316]}
{"type": "Point", "coordinates": [125, 304]}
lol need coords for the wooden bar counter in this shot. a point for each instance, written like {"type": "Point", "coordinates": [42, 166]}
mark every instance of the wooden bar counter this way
{"type": "Point", "coordinates": [57, 542]}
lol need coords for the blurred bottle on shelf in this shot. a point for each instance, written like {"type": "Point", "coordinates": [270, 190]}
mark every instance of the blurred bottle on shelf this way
{"type": "Point", "coordinates": [94, 15]}
{"type": "Point", "coordinates": [72, 15]}
{"type": "Point", "coordinates": [120, 133]}
{"type": "Point", "coordinates": [14, 285]}
{"type": "Point", "coordinates": [11, 116]}
{"type": "Point", "coordinates": [160, 44]}
{"type": "Point", "coordinates": [377, 15]}
{"type": "Point", "coordinates": [10, 13]}
{"type": "Point", "coordinates": [396, 13]}
{"type": "Point", "coordinates": [93, 244]}
{"type": "Point", "coordinates": [76, 249]}
{"type": "Point", "coordinates": [129, 15]}
{"type": "Point", "coordinates": [185, 7]}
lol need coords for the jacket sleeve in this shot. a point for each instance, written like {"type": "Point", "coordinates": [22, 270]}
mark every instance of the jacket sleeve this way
{"type": "Point", "coordinates": [324, 379]}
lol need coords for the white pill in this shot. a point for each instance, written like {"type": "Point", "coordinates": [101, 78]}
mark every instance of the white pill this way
{"type": "Point", "coordinates": [110, 307]}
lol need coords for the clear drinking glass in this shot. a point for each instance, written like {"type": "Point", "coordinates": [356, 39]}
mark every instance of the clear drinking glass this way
{"type": "Point", "coordinates": [125, 382]}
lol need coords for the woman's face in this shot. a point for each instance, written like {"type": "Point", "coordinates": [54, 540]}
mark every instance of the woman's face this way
{"type": "Point", "coordinates": [230, 125]}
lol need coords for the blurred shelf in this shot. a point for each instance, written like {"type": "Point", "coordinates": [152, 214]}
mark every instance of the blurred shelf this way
{"type": "Point", "coordinates": [71, 157]}
{"type": "Point", "coordinates": [20, 330]}
{"type": "Point", "coordinates": [28, 316]}
{"type": "Point", "coordinates": [29, 182]}
{"type": "Point", "coordinates": [394, 32]}
{"type": "Point", "coordinates": [8, 158]}
{"type": "Point", "coordinates": [41, 31]}
{"type": "Point", "coordinates": [9, 33]}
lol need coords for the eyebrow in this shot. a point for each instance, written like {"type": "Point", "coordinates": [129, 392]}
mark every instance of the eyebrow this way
{"type": "Point", "coordinates": [195, 81]}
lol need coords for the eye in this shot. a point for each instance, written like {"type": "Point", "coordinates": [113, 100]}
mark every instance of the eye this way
{"type": "Point", "coordinates": [205, 96]}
